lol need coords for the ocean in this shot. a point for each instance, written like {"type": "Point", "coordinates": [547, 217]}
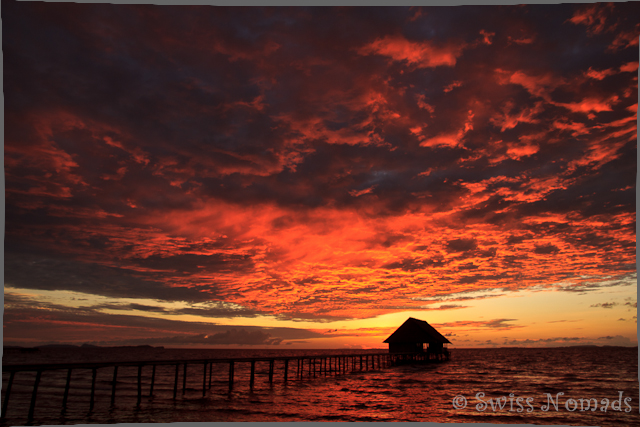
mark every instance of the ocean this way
{"type": "Point", "coordinates": [498, 386]}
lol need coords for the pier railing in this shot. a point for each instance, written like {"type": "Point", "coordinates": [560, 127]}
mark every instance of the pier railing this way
{"type": "Point", "coordinates": [293, 367]}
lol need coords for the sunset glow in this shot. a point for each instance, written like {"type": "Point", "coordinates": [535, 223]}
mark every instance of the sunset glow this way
{"type": "Point", "coordinates": [311, 177]}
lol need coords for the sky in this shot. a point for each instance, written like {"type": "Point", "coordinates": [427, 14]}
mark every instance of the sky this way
{"type": "Point", "coordinates": [198, 176]}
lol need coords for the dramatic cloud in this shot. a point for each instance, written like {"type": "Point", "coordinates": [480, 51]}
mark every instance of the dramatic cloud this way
{"type": "Point", "coordinates": [241, 166]}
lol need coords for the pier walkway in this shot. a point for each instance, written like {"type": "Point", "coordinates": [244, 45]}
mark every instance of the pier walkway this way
{"type": "Point", "coordinates": [292, 368]}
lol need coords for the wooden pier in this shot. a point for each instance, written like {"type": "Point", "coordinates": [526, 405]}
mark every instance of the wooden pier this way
{"type": "Point", "coordinates": [294, 367]}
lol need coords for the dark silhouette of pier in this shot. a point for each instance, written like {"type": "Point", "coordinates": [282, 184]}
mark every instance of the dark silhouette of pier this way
{"type": "Point", "coordinates": [293, 368]}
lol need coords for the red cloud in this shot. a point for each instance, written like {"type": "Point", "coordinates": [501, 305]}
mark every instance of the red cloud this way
{"type": "Point", "coordinates": [590, 104]}
{"type": "Point", "coordinates": [599, 75]}
{"type": "Point", "coordinates": [509, 121]}
{"type": "Point", "coordinates": [537, 85]}
{"type": "Point", "coordinates": [449, 139]}
{"type": "Point", "coordinates": [576, 128]}
{"type": "Point", "coordinates": [452, 86]}
{"type": "Point", "coordinates": [487, 36]}
{"type": "Point", "coordinates": [420, 54]}
{"type": "Point", "coordinates": [594, 17]}
{"type": "Point", "coordinates": [267, 167]}
{"type": "Point", "coordinates": [629, 67]}
{"type": "Point", "coordinates": [524, 40]}
{"type": "Point", "coordinates": [625, 40]}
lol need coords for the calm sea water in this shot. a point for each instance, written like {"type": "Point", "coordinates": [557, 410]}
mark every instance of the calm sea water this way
{"type": "Point", "coordinates": [402, 393]}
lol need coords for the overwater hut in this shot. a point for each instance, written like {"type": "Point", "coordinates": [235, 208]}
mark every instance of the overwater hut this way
{"type": "Point", "coordinates": [417, 336]}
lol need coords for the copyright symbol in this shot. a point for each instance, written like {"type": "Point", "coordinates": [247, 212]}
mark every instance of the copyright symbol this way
{"type": "Point", "coordinates": [459, 402]}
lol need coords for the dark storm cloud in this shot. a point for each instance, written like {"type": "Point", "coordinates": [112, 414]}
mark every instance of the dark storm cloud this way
{"type": "Point", "coordinates": [468, 266]}
{"type": "Point", "coordinates": [480, 277]}
{"type": "Point", "coordinates": [619, 280]}
{"type": "Point", "coordinates": [249, 151]}
{"type": "Point", "coordinates": [52, 273]}
{"type": "Point", "coordinates": [408, 264]}
{"type": "Point", "coordinates": [546, 249]}
{"type": "Point", "coordinates": [202, 153]}
{"type": "Point", "coordinates": [462, 245]}
{"type": "Point", "coordinates": [190, 262]}
{"type": "Point", "coordinates": [211, 310]}
{"type": "Point", "coordinates": [48, 320]}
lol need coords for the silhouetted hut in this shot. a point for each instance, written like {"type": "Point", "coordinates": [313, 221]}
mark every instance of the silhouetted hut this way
{"type": "Point", "coordinates": [417, 336]}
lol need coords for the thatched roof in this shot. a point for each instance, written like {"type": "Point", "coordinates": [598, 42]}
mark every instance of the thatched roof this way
{"type": "Point", "coordinates": [414, 330]}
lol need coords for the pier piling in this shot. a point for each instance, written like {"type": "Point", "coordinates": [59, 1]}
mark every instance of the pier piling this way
{"type": "Point", "coordinates": [113, 385]}
{"type": "Point", "coordinates": [153, 380]}
{"type": "Point", "coordinates": [175, 384]}
{"type": "Point", "coordinates": [323, 365]}
{"type": "Point", "coordinates": [66, 390]}
{"type": "Point", "coordinates": [34, 394]}
{"type": "Point", "coordinates": [253, 374]}
{"type": "Point", "coordinates": [231, 375]}
{"type": "Point", "coordinates": [6, 395]}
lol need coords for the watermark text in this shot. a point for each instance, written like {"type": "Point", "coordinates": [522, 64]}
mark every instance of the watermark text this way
{"type": "Point", "coordinates": [513, 403]}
